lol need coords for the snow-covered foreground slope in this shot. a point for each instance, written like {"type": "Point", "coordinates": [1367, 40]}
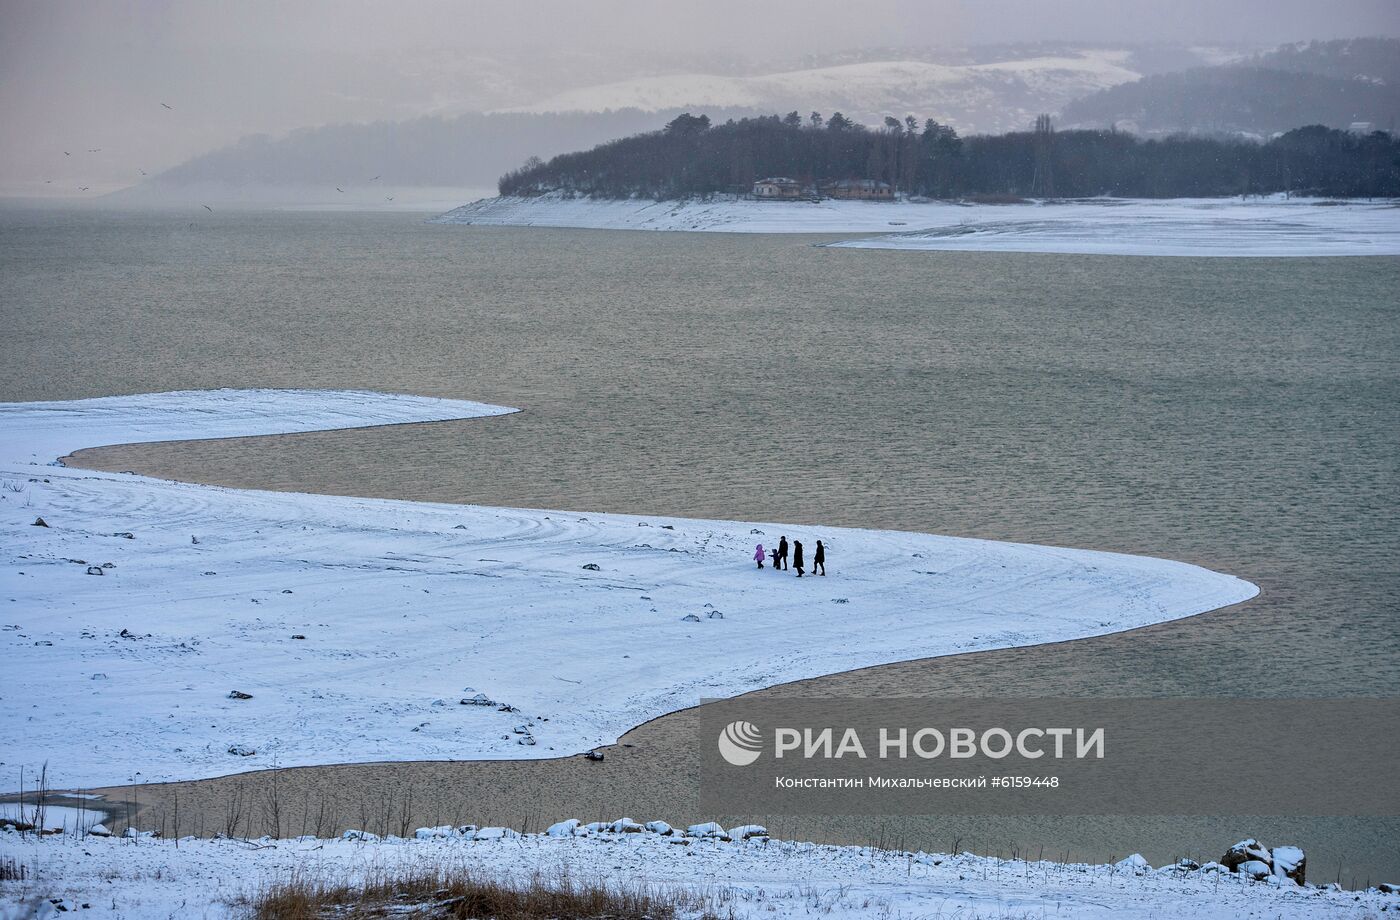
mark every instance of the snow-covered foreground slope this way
{"type": "Point", "coordinates": [1176, 227]}
{"type": "Point", "coordinates": [756, 878]}
{"type": "Point", "coordinates": [358, 625]}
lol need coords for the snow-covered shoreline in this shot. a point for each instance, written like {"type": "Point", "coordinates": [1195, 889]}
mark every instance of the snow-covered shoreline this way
{"type": "Point", "coordinates": [362, 629]}
{"type": "Point", "coordinates": [1270, 227]}
{"type": "Point", "coordinates": [758, 877]}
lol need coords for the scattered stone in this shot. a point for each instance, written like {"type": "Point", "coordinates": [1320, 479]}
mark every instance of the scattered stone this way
{"type": "Point", "coordinates": [709, 830]}
{"type": "Point", "coordinates": [99, 676]}
{"type": "Point", "coordinates": [563, 828]}
{"type": "Point", "coordinates": [660, 827]}
{"type": "Point", "coordinates": [667, 527]}
{"type": "Point", "coordinates": [757, 531]}
{"type": "Point", "coordinates": [430, 833]}
{"type": "Point", "coordinates": [286, 590]}
{"type": "Point", "coordinates": [593, 755]}
{"type": "Point", "coordinates": [1135, 864]}
{"type": "Point", "coordinates": [194, 540]}
{"type": "Point", "coordinates": [298, 636]}
{"type": "Point", "coordinates": [1389, 888]}
{"type": "Point", "coordinates": [716, 615]}
{"type": "Point", "coordinates": [528, 741]}
{"type": "Point", "coordinates": [688, 618]}
{"type": "Point", "coordinates": [363, 836]}
{"type": "Point", "coordinates": [495, 833]}
{"type": "Point", "coordinates": [125, 535]}
{"type": "Point", "coordinates": [241, 750]}
{"type": "Point", "coordinates": [839, 600]}
{"type": "Point", "coordinates": [748, 832]}
{"type": "Point", "coordinates": [480, 699]}
{"type": "Point", "coordinates": [99, 830]}
{"type": "Point", "coordinates": [592, 567]}
{"type": "Point", "coordinates": [109, 565]}
{"type": "Point", "coordinates": [95, 570]}
{"type": "Point", "coordinates": [39, 522]}
{"type": "Point", "coordinates": [239, 695]}
{"type": "Point", "coordinates": [626, 826]}
{"type": "Point", "coordinates": [460, 527]}
{"type": "Point", "coordinates": [506, 707]}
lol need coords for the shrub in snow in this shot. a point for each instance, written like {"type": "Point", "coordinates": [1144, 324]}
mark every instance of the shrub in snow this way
{"type": "Point", "coordinates": [748, 831]}
{"type": "Point", "coordinates": [660, 827]}
{"type": "Point", "coordinates": [625, 826]}
{"type": "Point", "coordinates": [708, 829]}
{"type": "Point", "coordinates": [563, 828]}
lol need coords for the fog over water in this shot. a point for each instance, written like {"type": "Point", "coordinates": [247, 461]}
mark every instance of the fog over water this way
{"type": "Point", "coordinates": [93, 79]}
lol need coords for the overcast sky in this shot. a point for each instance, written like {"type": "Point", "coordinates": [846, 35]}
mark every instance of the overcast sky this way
{"type": "Point", "coordinates": [88, 77]}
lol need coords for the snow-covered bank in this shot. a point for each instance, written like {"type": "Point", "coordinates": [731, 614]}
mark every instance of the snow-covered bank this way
{"type": "Point", "coordinates": [361, 629]}
{"type": "Point", "coordinates": [1194, 227]}
{"type": "Point", "coordinates": [148, 877]}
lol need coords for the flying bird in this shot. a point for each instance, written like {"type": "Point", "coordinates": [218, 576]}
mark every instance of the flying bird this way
{"type": "Point", "coordinates": [207, 208]}
{"type": "Point", "coordinates": [339, 189]}
{"type": "Point", "coordinates": [389, 198]}
{"type": "Point", "coordinates": [82, 188]}
{"type": "Point", "coordinates": [376, 177]}
{"type": "Point", "coordinates": [94, 150]}
{"type": "Point", "coordinates": [141, 171]}
{"type": "Point", "coordinates": [67, 154]}
{"type": "Point", "coordinates": [164, 106]}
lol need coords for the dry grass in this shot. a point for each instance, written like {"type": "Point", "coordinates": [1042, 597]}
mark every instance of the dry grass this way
{"type": "Point", "coordinates": [442, 894]}
{"type": "Point", "coordinates": [11, 870]}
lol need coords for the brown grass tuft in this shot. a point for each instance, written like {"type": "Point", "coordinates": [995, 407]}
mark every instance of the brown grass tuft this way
{"type": "Point", "coordinates": [440, 895]}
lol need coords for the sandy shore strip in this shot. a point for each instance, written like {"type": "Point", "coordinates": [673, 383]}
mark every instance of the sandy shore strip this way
{"type": "Point", "coordinates": [358, 627]}
{"type": "Point", "coordinates": [1263, 227]}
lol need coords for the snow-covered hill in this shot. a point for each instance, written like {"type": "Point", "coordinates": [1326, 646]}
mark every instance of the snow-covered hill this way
{"type": "Point", "coordinates": [984, 97]}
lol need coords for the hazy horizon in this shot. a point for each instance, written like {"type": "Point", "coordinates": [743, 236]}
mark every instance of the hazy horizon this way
{"type": "Point", "coordinates": [94, 95]}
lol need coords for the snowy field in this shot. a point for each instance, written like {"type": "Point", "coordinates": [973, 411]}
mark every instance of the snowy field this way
{"type": "Point", "coordinates": [1269, 227]}
{"type": "Point", "coordinates": [359, 628]}
{"type": "Point", "coordinates": [756, 878]}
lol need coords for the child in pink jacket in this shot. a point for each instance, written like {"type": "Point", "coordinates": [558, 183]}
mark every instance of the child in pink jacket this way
{"type": "Point", "coordinates": [759, 555]}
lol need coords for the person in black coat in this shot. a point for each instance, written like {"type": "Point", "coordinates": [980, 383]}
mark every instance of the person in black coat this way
{"type": "Point", "coordinates": [783, 551]}
{"type": "Point", "coordinates": [819, 559]}
{"type": "Point", "coordinates": [797, 556]}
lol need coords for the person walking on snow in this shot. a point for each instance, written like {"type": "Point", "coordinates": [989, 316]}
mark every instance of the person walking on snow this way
{"type": "Point", "coordinates": [782, 551]}
{"type": "Point", "coordinates": [819, 559]}
{"type": "Point", "coordinates": [758, 555]}
{"type": "Point", "coordinates": [797, 556]}
{"type": "Point", "coordinates": [775, 558]}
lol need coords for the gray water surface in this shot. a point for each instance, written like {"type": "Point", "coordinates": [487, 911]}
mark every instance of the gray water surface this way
{"type": "Point", "coordinates": [1243, 414]}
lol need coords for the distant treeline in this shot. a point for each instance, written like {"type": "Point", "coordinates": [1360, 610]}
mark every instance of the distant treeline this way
{"type": "Point", "coordinates": [690, 157]}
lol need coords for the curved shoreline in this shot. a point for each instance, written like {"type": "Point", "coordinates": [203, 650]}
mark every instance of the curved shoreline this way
{"type": "Point", "coordinates": [680, 558]}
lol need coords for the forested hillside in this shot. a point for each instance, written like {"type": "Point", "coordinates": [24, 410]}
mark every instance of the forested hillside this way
{"type": "Point", "coordinates": [691, 157]}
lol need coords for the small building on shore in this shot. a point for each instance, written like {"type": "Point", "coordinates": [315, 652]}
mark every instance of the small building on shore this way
{"type": "Point", "coordinates": [779, 187]}
{"type": "Point", "coordinates": [859, 189]}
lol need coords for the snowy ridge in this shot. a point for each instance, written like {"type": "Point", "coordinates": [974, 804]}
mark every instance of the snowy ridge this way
{"type": "Point", "coordinates": [757, 877]}
{"type": "Point", "coordinates": [992, 96]}
{"type": "Point", "coordinates": [361, 630]}
{"type": "Point", "coordinates": [1270, 227]}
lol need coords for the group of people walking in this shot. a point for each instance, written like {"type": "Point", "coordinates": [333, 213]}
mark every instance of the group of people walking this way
{"type": "Point", "coordinates": [780, 557]}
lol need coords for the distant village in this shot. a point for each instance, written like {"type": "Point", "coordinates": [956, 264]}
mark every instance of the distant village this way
{"type": "Point", "coordinates": [780, 188]}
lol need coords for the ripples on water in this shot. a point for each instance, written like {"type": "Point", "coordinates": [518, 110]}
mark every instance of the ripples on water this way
{"type": "Point", "coordinates": [1241, 414]}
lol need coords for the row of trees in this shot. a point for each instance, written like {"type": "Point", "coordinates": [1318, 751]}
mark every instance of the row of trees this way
{"type": "Point", "coordinates": [690, 157]}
